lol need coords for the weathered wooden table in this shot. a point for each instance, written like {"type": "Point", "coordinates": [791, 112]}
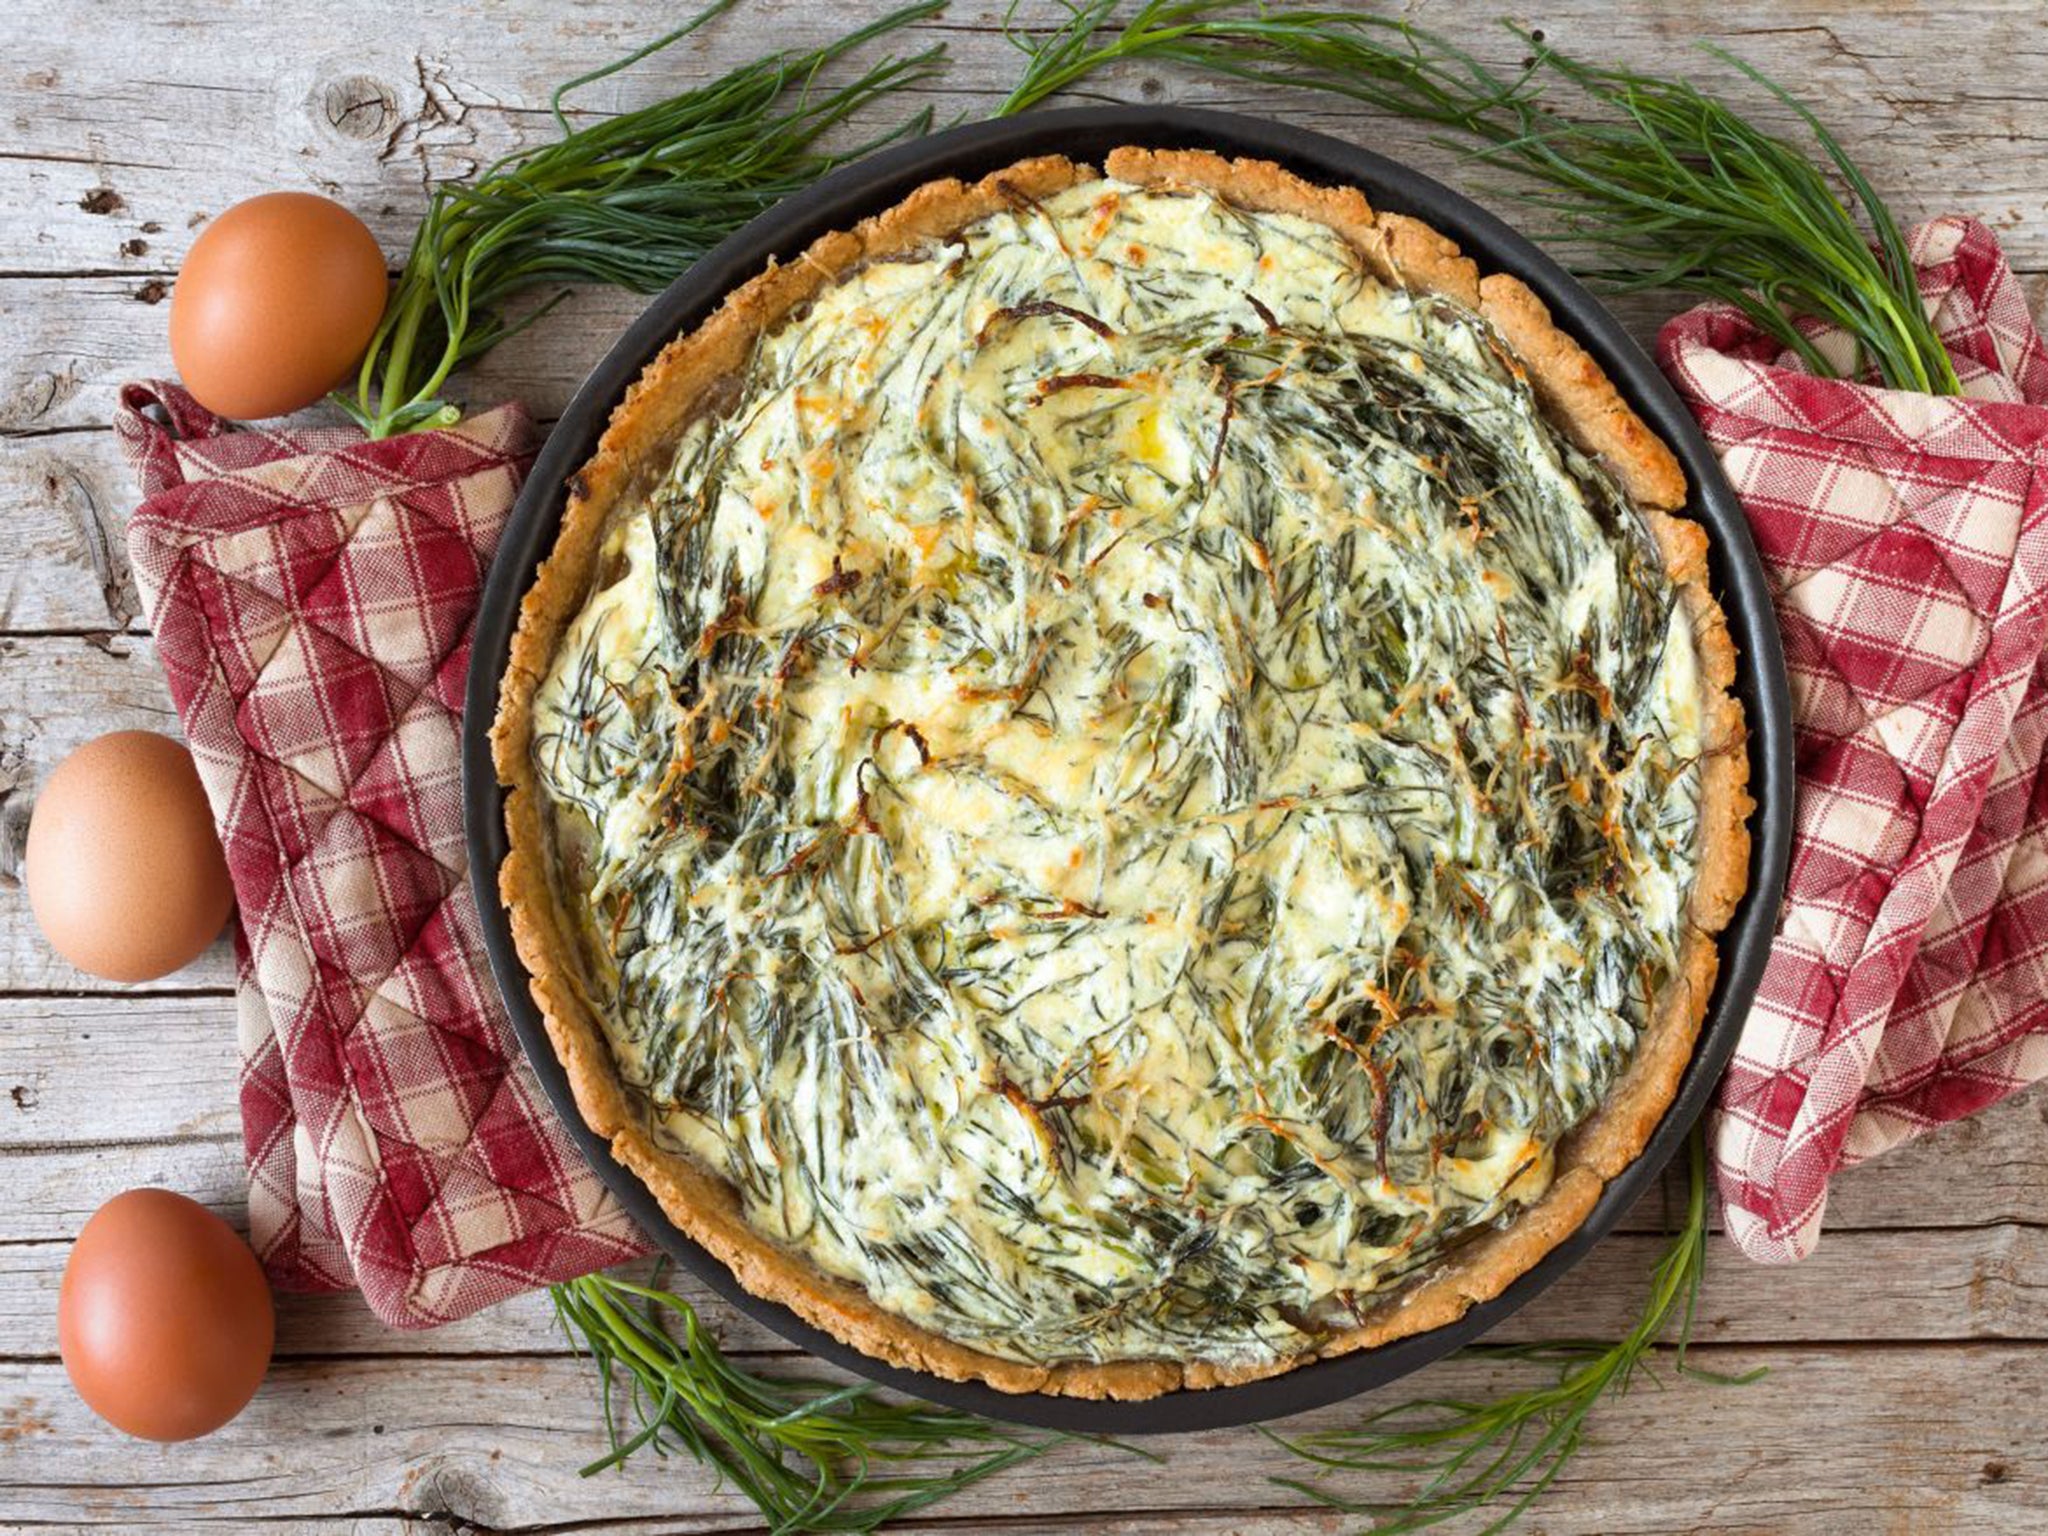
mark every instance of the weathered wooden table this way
{"type": "Point", "coordinates": [1909, 1384]}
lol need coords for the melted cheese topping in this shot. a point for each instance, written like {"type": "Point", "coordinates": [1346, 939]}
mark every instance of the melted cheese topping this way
{"type": "Point", "coordinates": [1131, 788]}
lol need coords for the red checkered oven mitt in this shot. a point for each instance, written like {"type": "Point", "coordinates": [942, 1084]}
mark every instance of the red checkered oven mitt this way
{"type": "Point", "coordinates": [1907, 542]}
{"type": "Point", "coordinates": [313, 596]}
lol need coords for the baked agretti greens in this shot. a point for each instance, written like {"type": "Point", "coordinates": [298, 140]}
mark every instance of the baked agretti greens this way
{"type": "Point", "coordinates": [1128, 787]}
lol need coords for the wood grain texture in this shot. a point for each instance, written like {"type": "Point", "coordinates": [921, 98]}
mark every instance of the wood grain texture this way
{"type": "Point", "coordinates": [1907, 1356]}
{"type": "Point", "coordinates": [1929, 1437]}
{"type": "Point", "coordinates": [56, 1115]}
{"type": "Point", "coordinates": [1985, 1284]}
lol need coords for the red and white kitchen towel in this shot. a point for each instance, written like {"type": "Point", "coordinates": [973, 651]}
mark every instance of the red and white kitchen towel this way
{"type": "Point", "coordinates": [1906, 538]}
{"type": "Point", "coordinates": [313, 596]}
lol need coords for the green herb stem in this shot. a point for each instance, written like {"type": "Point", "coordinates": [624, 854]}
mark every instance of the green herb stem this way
{"type": "Point", "coordinates": [1473, 1455]}
{"type": "Point", "coordinates": [1666, 186]}
{"type": "Point", "coordinates": [809, 1455]}
{"type": "Point", "coordinates": [629, 201]}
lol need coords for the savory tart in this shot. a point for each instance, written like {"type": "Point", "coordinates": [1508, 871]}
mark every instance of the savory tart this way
{"type": "Point", "coordinates": [1120, 780]}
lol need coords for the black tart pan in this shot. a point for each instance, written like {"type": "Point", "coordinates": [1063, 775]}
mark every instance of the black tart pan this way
{"type": "Point", "coordinates": [839, 201]}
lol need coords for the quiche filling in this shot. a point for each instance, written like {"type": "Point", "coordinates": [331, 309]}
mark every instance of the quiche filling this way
{"type": "Point", "coordinates": [1125, 788]}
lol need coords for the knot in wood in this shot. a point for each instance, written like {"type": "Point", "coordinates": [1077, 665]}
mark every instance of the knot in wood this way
{"type": "Point", "coordinates": [358, 106]}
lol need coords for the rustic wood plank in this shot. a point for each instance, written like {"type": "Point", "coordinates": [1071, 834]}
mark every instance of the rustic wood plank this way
{"type": "Point", "coordinates": [69, 344]}
{"type": "Point", "coordinates": [58, 1122]}
{"type": "Point", "coordinates": [372, 103]}
{"type": "Point", "coordinates": [51, 1192]}
{"type": "Point", "coordinates": [69, 490]}
{"type": "Point", "coordinates": [68, 497]}
{"type": "Point", "coordinates": [340, 1325]}
{"type": "Point", "coordinates": [114, 175]}
{"type": "Point", "coordinates": [177, 1057]}
{"type": "Point", "coordinates": [54, 1049]}
{"type": "Point", "coordinates": [1928, 1438]}
{"type": "Point", "coordinates": [1976, 1281]}
{"type": "Point", "coordinates": [1988, 1283]}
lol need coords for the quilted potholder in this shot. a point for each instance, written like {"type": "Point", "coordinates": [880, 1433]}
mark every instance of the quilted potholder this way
{"type": "Point", "coordinates": [1907, 541]}
{"type": "Point", "coordinates": [313, 596]}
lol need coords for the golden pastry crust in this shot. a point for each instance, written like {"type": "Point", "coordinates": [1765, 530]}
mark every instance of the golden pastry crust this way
{"type": "Point", "coordinates": [692, 374]}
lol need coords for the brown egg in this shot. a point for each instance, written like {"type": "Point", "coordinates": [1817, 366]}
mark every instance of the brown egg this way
{"type": "Point", "coordinates": [275, 304]}
{"type": "Point", "coordinates": [125, 875]}
{"type": "Point", "coordinates": [164, 1318]}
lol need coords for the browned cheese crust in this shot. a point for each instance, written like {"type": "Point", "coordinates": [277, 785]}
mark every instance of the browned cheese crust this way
{"type": "Point", "coordinates": [692, 375]}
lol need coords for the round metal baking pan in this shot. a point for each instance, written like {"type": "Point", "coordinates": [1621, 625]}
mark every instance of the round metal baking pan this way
{"type": "Point", "coordinates": [873, 184]}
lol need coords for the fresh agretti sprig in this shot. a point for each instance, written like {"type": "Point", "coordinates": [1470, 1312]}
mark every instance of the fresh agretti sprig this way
{"type": "Point", "coordinates": [1476, 1455]}
{"type": "Point", "coordinates": [1667, 186]}
{"type": "Point", "coordinates": [628, 201]}
{"type": "Point", "coordinates": [811, 1456]}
